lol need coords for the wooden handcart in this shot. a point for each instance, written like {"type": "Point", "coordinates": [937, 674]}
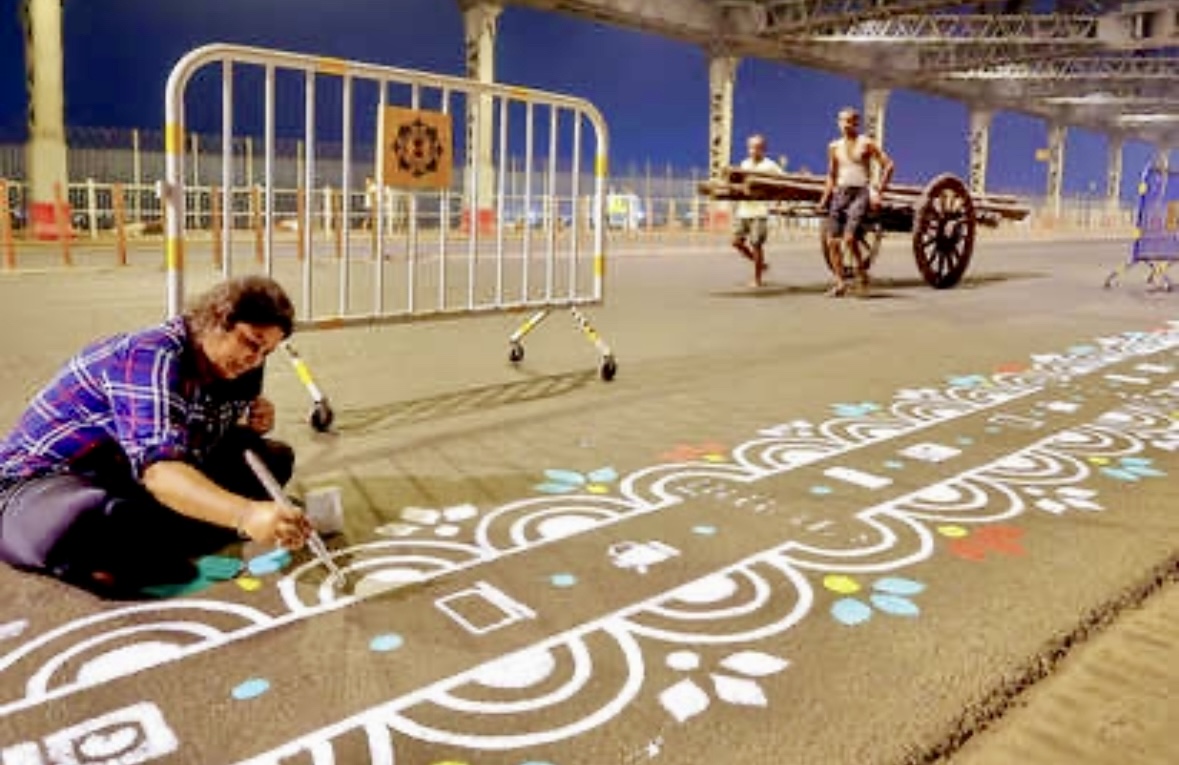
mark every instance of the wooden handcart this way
{"type": "Point", "coordinates": [941, 216]}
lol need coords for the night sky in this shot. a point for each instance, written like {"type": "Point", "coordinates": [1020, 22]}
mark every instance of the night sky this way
{"type": "Point", "coordinates": [652, 91]}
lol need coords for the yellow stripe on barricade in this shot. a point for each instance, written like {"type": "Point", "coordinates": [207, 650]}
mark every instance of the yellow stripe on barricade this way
{"type": "Point", "coordinates": [599, 265]}
{"type": "Point", "coordinates": [174, 249]}
{"type": "Point", "coordinates": [601, 164]}
{"type": "Point", "coordinates": [173, 138]}
{"type": "Point", "coordinates": [328, 65]}
{"type": "Point", "coordinates": [302, 372]}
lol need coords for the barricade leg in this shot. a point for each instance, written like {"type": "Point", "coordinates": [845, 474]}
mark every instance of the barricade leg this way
{"type": "Point", "coordinates": [321, 415]}
{"type": "Point", "coordinates": [515, 348]}
{"type": "Point", "coordinates": [608, 365]}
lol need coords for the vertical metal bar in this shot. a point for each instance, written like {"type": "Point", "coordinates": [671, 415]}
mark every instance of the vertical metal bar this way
{"type": "Point", "coordinates": [346, 205]}
{"type": "Point", "coordinates": [137, 172]}
{"type": "Point", "coordinates": [173, 195]}
{"type": "Point", "coordinates": [268, 172]}
{"type": "Point", "coordinates": [444, 222]}
{"type": "Point", "coordinates": [309, 190]}
{"type": "Point", "coordinates": [526, 245]}
{"type": "Point", "coordinates": [473, 192]}
{"type": "Point", "coordinates": [550, 266]}
{"type": "Point", "coordinates": [227, 166]}
{"type": "Point", "coordinates": [379, 202]}
{"type": "Point", "coordinates": [601, 167]}
{"type": "Point", "coordinates": [499, 215]}
{"type": "Point", "coordinates": [415, 102]}
{"type": "Point", "coordinates": [574, 198]}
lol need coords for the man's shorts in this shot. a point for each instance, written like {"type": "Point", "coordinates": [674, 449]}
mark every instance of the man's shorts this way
{"type": "Point", "coordinates": [848, 208]}
{"type": "Point", "coordinates": [752, 230]}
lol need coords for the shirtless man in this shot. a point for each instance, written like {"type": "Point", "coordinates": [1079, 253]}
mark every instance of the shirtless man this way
{"type": "Point", "coordinates": [751, 222]}
{"type": "Point", "coordinates": [849, 194]}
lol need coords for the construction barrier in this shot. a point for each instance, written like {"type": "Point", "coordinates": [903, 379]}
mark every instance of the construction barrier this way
{"type": "Point", "coordinates": [447, 237]}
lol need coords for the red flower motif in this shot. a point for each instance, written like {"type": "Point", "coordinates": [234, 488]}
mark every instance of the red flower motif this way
{"type": "Point", "coordinates": [1002, 540]}
{"type": "Point", "coordinates": [1011, 368]}
{"type": "Point", "coordinates": [692, 452]}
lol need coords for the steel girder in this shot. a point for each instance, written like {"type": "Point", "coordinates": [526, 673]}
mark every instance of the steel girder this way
{"type": "Point", "coordinates": [1079, 67]}
{"type": "Point", "coordinates": [949, 28]}
{"type": "Point", "coordinates": [804, 16]}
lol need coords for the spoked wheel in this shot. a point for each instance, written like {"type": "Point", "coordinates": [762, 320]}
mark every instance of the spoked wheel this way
{"type": "Point", "coordinates": [943, 232]}
{"type": "Point", "coordinates": [869, 237]}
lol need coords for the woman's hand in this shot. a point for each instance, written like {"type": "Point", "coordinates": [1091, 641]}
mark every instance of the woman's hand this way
{"type": "Point", "coordinates": [272, 523]}
{"type": "Point", "coordinates": [260, 417]}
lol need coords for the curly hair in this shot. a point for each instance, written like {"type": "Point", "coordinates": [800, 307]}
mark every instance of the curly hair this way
{"type": "Point", "coordinates": [257, 300]}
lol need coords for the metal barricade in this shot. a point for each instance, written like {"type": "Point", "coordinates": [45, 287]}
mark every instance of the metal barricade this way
{"type": "Point", "coordinates": [1156, 227]}
{"type": "Point", "coordinates": [418, 238]}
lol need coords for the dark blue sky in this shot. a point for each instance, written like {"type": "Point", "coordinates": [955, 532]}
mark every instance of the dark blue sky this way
{"type": "Point", "coordinates": [652, 91]}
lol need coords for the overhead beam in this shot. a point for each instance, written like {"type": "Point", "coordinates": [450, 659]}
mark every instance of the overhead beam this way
{"type": "Point", "coordinates": [963, 29]}
{"type": "Point", "coordinates": [1076, 67]}
{"type": "Point", "coordinates": [802, 16]}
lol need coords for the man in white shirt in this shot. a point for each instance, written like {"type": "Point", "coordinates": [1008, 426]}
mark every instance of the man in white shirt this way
{"type": "Point", "coordinates": [750, 224]}
{"type": "Point", "coordinates": [850, 192]}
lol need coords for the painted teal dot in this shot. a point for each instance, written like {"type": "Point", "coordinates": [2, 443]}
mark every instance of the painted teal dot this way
{"type": "Point", "coordinates": [704, 531]}
{"type": "Point", "coordinates": [385, 643]}
{"type": "Point", "coordinates": [820, 490]}
{"type": "Point", "coordinates": [894, 464]}
{"type": "Point", "coordinates": [563, 580]}
{"type": "Point", "coordinates": [270, 563]}
{"type": "Point", "coordinates": [965, 440]}
{"type": "Point", "coordinates": [850, 611]}
{"type": "Point", "coordinates": [251, 689]}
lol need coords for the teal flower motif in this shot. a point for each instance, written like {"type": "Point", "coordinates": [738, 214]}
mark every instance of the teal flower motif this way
{"type": "Point", "coordinates": [967, 381]}
{"type": "Point", "coordinates": [1133, 469]}
{"type": "Point", "coordinates": [855, 410]}
{"type": "Point", "coordinates": [890, 595]}
{"type": "Point", "coordinates": [559, 481]}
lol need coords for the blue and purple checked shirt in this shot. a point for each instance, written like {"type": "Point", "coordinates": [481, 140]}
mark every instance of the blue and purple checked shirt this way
{"type": "Point", "coordinates": [139, 391]}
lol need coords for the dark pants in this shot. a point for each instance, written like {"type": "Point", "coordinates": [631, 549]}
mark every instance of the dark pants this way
{"type": "Point", "coordinates": [73, 525]}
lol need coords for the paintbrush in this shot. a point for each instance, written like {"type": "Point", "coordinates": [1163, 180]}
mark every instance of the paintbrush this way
{"type": "Point", "coordinates": [315, 542]}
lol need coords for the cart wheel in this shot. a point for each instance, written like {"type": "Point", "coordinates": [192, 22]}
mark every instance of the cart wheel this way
{"type": "Point", "coordinates": [516, 353]}
{"type": "Point", "coordinates": [609, 368]}
{"type": "Point", "coordinates": [321, 416]}
{"type": "Point", "coordinates": [943, 231]}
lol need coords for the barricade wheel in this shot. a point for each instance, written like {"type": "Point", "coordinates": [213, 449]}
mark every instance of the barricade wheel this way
{"type": "Point", "coordinates": [516, 353]}
{"type": "Point", "coordinates": [609, 368]}
{"type": "Point", "coordinates": [321, 416]}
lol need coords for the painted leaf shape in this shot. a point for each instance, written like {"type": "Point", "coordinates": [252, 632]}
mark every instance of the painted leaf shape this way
{"type": "Point", "coordinates": [844, 585]}
{"type": "Point", "coordinates": [604, 475]}
{"type": "Point", "coordinates": [555, 488]}
{"type": "Point", "coordinates": [1147, 471]}
{"type": "Point", "coordinates": [895, 605]}
{"type": "Point", "coordinates": [1121, 475]}
{"type": "Point", "coordinates": [571, 477]}
{"type": "Point", "coordinates": [754, 663]}
{"type": "Point", "coordinates": [739, 691]}
{"type": "Point", "coordinates": [684, 700]}
{"type": "Point", "coordinates": [850, 612]}
{"type": "Point", "coordinates": [895, 585]}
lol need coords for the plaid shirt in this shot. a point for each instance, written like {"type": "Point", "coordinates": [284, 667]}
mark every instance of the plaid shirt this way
{"type": "Point", "coordinates": [140, 393]}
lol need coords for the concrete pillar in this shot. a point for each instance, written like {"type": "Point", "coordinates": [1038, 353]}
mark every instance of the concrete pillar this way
{"type": "Point", "coordinates": [980, 147]}
{"type": "Point", "coordinates": [1113, 172]}
{"type": "Point", "coordinates": [875, 106]}
{"type": "Point", "coordinates": [722, 80]}
{"type": "Point", "coordinates": [480, 25]}
{"type": "Point", "coordinates": [1056, 138]}
{"type": "Point", "coordinates": [1162, 157]}
{"type": "Point", "coordinates": [45, 152]}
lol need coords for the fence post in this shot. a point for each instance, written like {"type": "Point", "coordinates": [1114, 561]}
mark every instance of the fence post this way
{"type": "Point", "coordinates": [92, 207]}
{"type": "Point", "coordinates": [61, 218]}
{"type": "Point", "coordinates": [256, 223]}
{"type": "Point", "coordinates": [6, 227]}
{"type": "Point", "coordinates": [300, 204]}
{"type": "Point", "coordinates": [215, 224]}
{"type": "Point", "coordinates": [338, 216]}
{"type": "Point", "coordinates": [137, 171]}
{"type": "Point", "coordinates": [120, 224]}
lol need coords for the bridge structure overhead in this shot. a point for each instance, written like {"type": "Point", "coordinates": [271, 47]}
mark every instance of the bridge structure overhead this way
{"type": "Point", "coordinates": [1108, 67]}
